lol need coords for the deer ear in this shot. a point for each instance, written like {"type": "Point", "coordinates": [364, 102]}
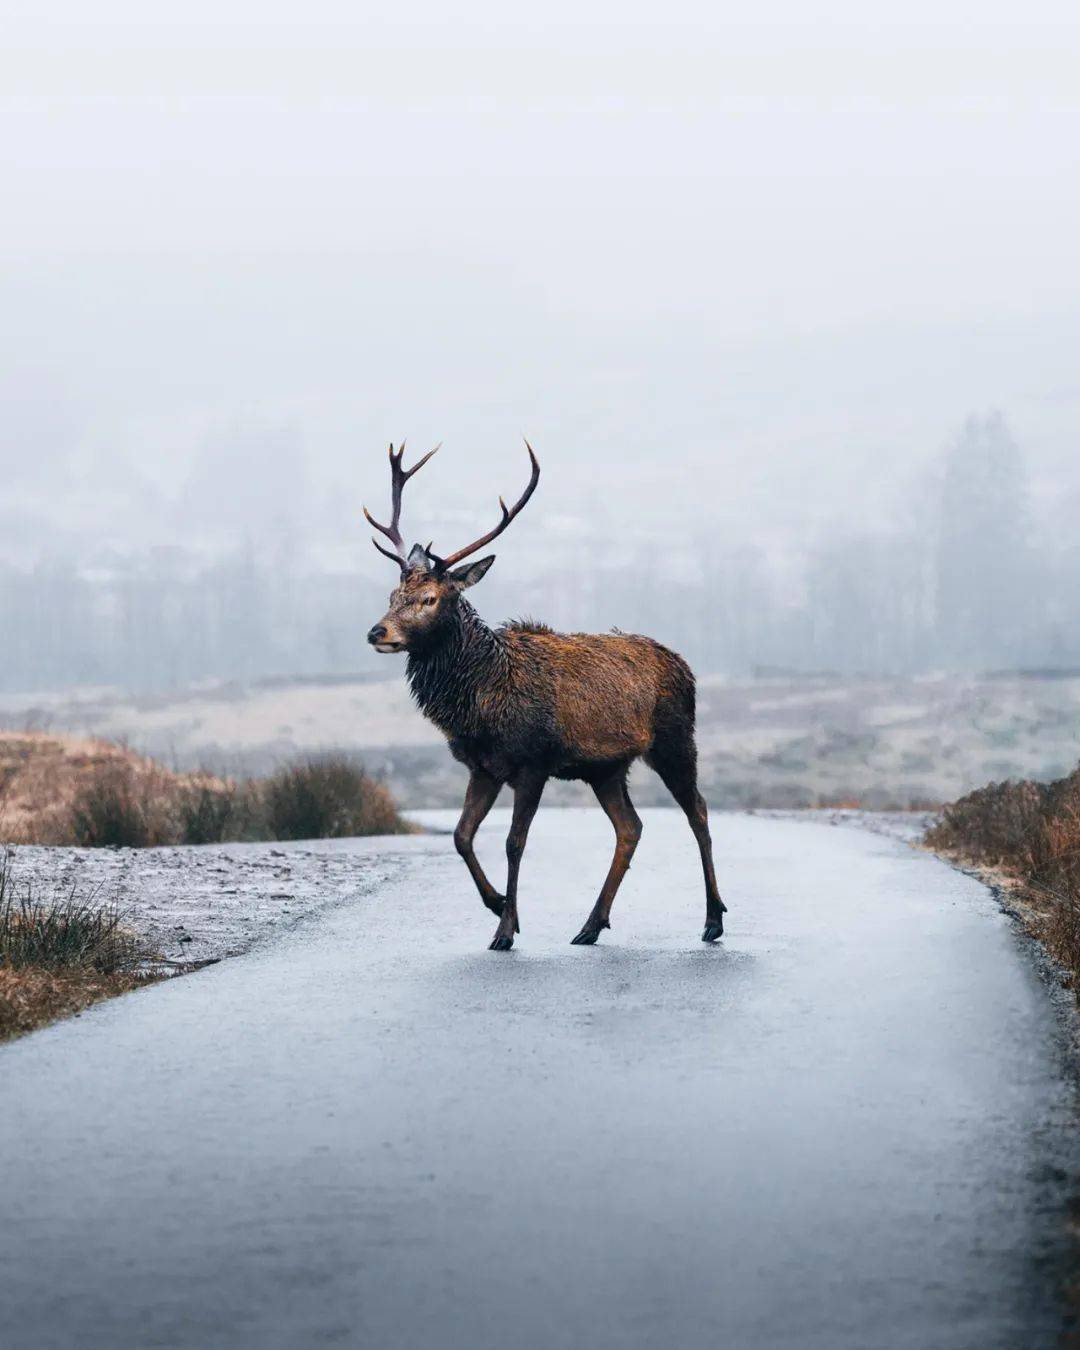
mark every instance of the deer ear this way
{"type": "Point", "coordinates": [471, 573]}
{"type": "Point", "coordinates": [418, 558]}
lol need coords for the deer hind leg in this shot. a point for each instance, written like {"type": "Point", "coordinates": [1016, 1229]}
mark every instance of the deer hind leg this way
{"type": "Point", "coordinates": [479, 799]}
{"type": "Point", "coordinates": [527, 794]}
{"type": "Point", "coordinates": [675, 759]}
{"type": "Point", "coordinates": [612, 795]}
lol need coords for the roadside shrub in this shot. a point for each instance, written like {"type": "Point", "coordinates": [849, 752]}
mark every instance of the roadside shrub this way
{"type": "Point", "coordinates": [1030, 832]}
{"type": "Point", "coordinates": [112, 810]}
{"type": "Point", "coordinates": [327, 797]}
{"type": "Point", "coordinates": [208, 815]}
{"type": "Point", "coordinates": [995, 825]}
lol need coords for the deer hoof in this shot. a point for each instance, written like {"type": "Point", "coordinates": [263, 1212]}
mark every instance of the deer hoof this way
{"type": "Point", "coordinates": [501, 943]}
{"type": "Point", "coordinates": [713, 930]}
{"type": "Point", "coordinates": [587, 937]}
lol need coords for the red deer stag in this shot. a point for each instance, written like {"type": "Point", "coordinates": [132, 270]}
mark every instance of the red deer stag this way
{"type": "Point", "coordinates": [522, 704]}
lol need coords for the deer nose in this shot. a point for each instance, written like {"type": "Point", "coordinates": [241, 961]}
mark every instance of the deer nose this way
{"type": "Point", "coordinates": [377, 634]}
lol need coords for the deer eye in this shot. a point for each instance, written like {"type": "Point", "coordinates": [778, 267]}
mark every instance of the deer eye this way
{"type": "Point", "coordinates": [429, 600]}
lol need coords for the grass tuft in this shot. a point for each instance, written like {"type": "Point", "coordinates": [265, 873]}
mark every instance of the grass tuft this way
{"type": "Point", "coordinates": [60, 954]}
{"type": "Point", "coordinates": [67, 929]}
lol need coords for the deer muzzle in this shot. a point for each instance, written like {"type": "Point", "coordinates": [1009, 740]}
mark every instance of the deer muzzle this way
{"type": "Point", "coordinates": [381, 640]}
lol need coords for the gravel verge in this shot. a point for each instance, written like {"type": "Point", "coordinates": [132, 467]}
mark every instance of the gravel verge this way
{"type": "Point", "coordinates": [194, 905]}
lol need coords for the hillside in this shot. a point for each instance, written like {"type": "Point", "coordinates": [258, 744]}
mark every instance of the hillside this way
{"type": "Point", "coordinates": [44, 780]}
{"type": "Point", "coordinates": [780, 741]}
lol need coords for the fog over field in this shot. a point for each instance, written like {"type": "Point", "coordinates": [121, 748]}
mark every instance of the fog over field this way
{"type": "Point", "coordinates": [762, 295]}
{"type": "Point", "coordinates": [770, 741]}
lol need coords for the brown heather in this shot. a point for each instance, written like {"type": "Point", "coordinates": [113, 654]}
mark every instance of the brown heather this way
{"type": "Point", "coordinates": [87, 793]}
{"type": "Point", "coordinates": [1029, 834]}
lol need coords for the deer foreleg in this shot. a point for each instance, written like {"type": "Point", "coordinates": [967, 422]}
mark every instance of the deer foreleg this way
{"type": "Point", "coordinates": [479, 799]}
{"type": "Point", "coordinates": [527, 794]}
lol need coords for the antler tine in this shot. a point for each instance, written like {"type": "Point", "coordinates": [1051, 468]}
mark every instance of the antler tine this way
{"type": "Point", "coordinates": [508, 514]}
{"type": "Point", "coordinates": [399, 476]}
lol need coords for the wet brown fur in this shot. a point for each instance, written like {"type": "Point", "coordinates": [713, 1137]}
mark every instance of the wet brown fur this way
{"type": "Point", "coordinates": [608, 689]}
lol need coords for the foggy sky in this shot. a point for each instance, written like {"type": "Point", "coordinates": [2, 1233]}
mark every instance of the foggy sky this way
{"type": "Point", "coordinates": [751, 275]}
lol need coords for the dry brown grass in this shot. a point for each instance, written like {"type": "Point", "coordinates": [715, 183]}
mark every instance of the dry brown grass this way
{"type": "Point", "coordinates": [72, 791]}
{"type": "Point", "coordinates": [1029, 834]}
{"type": "Point", "coordinates": [31, 997]}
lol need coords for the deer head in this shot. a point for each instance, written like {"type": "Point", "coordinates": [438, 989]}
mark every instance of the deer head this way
{"type": "Point", "coordinates": [423, 603]}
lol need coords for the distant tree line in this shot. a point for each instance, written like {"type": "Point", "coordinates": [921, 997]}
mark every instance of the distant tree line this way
{"type": "Point", "coordinates": [958, 581]}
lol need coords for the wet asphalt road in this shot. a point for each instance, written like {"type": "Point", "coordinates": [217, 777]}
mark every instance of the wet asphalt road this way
{"type": "Point", "coordinates": [844, 1126]}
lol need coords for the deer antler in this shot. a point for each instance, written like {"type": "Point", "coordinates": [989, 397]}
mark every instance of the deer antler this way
{"type": "Point", "coordinates": [508, 514]}
{"type": "Point", "coordinates": [399, 476]}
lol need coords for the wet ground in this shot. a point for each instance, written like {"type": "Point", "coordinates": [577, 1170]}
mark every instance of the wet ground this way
{"type": "Point", "coordinates": [195, 905]}
{"type": "Point", "coordinates": [847, 1125]}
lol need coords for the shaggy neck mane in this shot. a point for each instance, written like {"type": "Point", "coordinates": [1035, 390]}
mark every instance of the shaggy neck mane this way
{"type": "Point", "coordinates": [460, 673]}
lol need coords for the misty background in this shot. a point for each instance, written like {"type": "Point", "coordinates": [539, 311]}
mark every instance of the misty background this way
{"type": "Point", "coordinates": [788, 308]}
